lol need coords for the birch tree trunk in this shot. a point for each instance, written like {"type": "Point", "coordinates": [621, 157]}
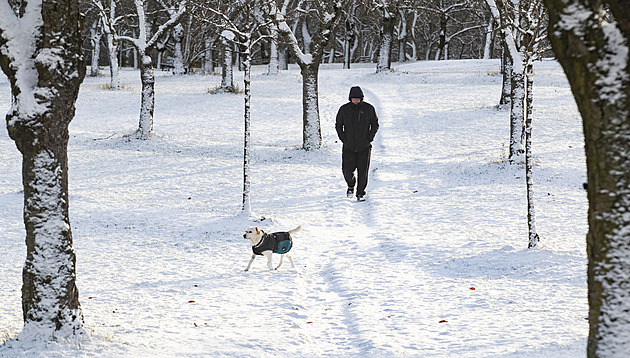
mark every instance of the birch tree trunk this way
{"type": "Point", "coordinates": [534, 238]}
{"type": "Point", "coordinates": [594, 54]}
{"type": "Point", "coordinates": [112, 47]}
{"type": "Point", "coordinates": [247, 206]}
{"type": "Point", "coordinates": [43, 60]}
{"type": "Point", "coordinates": [517, 134]}
{"type": "Point", "coordinates": [506, 71]}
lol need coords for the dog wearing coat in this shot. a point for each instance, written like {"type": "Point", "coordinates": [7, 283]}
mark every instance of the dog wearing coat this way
{"type": "Point", "coordinates": [264, 244]}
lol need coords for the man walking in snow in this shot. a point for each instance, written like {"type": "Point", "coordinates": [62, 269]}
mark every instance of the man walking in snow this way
{"type": "Point", "coordinates": [356, 126]}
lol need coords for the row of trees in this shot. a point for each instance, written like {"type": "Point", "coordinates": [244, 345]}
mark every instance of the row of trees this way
{"type": "Point", "coordinates": [414, 29]}
{"type": "Point", "coordinates": [40, 52]}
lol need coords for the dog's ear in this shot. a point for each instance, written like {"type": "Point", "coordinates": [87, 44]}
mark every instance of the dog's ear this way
{"type": "Point", "coordinates": [257, 230]}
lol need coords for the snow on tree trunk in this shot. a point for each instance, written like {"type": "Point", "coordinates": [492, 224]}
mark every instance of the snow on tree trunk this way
{"type": "Point", "coordinates": [487, 48]}
{"type": "Point", "coordinates": [247, 206]}
{"type": "Point", "coordinates": [273, 52]}
{"type": "Point", "coordinates": [95, 39]}
{"type": "Point", "coordinates": [592, 46]}
{"type": "Point", "coordinates": [534, 239]}
{"type": "Point", "coordinates": [506, 84]}
{"type": "Point", "coordinates": [147, 101]}
{"type": "Point", "coordinates": [227, 74]}
{"type": "Point", "coordinates": [113, 62]}
{"type": "Point", "coordinates": [312, 133]}
{"type": "Point", "coordinates": [178, 56]}
{"type": "Point", "coordinates": [42, 57]}
{"type": "Point", "coordinates": [309, 65]}
{"type": "Point", "coordinates": [384, 61]}
{"type": "Point", "coordinates": [517, 124]}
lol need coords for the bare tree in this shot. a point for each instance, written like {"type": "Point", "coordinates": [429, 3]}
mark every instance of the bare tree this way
{"type": "Point", "coordinates": [96, 32]}
{"type": "Point", "coordinates": [144, 43]}
{"type": "Point", "coordinates": [592, 46]}
{"type": "Point", "coordinates": [40, 52]}
{"type": "Point", "coordinates": [309, 57]}
{"type": "Point", "coordinates": [107, 15]}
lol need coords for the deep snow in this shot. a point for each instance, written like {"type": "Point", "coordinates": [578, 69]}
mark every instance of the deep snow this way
{"type": "Point", "coordinates": [160, 252]}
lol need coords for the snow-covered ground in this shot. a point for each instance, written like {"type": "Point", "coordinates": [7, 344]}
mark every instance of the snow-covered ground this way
{"type": "Point", "coordinates": [434, 264]}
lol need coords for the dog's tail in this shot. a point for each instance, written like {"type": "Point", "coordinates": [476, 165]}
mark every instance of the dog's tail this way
{"type": "Point", "coordinates": [291, 232]}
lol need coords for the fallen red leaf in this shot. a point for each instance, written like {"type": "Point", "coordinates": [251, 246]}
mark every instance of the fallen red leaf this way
{"type": "Point", "coordinates": [472, 288]}
{"type": "Point", "coordinates": [309, 322]}
{"type": "Point", "coordinates": [443, 321]}
{"type": "Point", "coordinates": [191, 301]}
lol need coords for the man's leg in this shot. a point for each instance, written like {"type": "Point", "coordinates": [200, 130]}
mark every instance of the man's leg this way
{"type": "Point", "coordinates": [348, 165]}
{"type": "Point", "coordinates": [363, 167]}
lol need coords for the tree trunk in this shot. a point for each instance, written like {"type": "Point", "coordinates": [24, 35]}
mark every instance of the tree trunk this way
{"type": "Point", "coordinates": [534, 239]}
{"type": "Point", "coordinates": [283, 57]}
{"type": "Point", "coordinates": [273, 52]}
{"type": "Point", "coordinates": [178, 56]}
{"type": "Point", "coordinates": [487, 48]}
{"type": "Point", "coordinates": [347, 40]}
{"type": "Point", "coordinates": [594, 55]}
{"type": "Point", "coordinates": [95, 40]}
{"type": "Point", "coordinates": [112, 49]}
{"type": "Point", "coordinates": [384, 62]}
{"type": "Point", "coordinates": [312, 133]}
{"type": "Point", "coordinates": [208, 64]}
{"type": "Point", "coordinates": [402, 37]}
{"type": "Point", "coordinates": [506, 71]}
{"type": "Point", "coordinates": [247, 206]}
{"type": "Point", "coordinates": [147, 102]}
{"type": "Point", "coordinates": [517, 123]}
{"type": "Point", "coordinates": [43, 106]}
{"type": "Point", "coordinates": [227, 74]}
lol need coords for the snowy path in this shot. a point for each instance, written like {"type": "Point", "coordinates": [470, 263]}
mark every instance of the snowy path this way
{"type": "Point", "coordinates": [161, 255]}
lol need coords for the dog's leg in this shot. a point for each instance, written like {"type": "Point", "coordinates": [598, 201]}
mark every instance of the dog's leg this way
{"type": "Point", "coordinates": [291, 260]}
{"type": "Point", "coordinates": [250, 262]}
{"type": "Point", "coordinates": [268, 256]}
{"type": "Point", "coordinates": [281, 259]}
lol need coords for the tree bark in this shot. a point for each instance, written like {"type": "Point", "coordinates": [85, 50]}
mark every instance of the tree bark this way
{"type": "Point", "coordinates": [517, 124]}
{"type": "Point", "coordinates": [95, 40]}
{"type": "Point", "coordinates": [384, 62]}
{"type": "Point", "coordinates": [178, 55]}
{"type": "Point", "coordinates": [38, 123]}
{"type": "Point", "coordinates": [312, 134]}
{"type": "Point", "coordinates": [534, 238]}
{"type": "Point", "coordinates": [594, 55]}
{"type": "Point", "coordinates": [227, 74]}
{"type": "Point", "coordinates": [147, 101]}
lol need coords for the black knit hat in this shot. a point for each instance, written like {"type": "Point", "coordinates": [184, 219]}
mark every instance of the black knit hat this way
{"type": "Point", "coordinates": [355, 92]}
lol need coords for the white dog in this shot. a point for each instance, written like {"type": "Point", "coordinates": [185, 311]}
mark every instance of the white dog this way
{"type": "Point", "coordinates": [264, 244]}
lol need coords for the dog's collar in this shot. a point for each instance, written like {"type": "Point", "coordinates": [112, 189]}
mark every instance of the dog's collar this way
{"type": "Point", "coordinates": [263, 239]}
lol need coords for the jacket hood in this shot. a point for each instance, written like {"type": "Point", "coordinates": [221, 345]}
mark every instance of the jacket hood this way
{"type": "Point", "coordinates": [355, 92]}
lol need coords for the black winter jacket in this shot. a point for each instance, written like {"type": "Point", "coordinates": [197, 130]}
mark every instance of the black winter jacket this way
{"type": "Point", "coordinates": [356, 126]}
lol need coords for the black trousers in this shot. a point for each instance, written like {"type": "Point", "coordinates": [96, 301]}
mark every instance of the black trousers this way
{"type": "Point", "coordinates": [359, 161]}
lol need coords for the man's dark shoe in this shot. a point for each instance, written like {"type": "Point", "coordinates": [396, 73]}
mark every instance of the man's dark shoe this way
{"type": "Point", "coordinates": [360, 198]}
{"type": "Point", "coordinates": [350, 192]}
